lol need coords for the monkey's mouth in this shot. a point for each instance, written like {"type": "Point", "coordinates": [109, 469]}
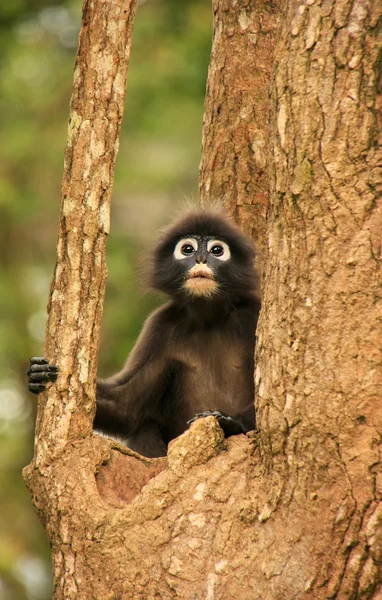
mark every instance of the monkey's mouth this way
{"type": "Point", "coordinates": [201, 281]}
{"type": "Point", "coordinates": [200, 272]}
{"type": "Point", "coordinates": [200, 275]}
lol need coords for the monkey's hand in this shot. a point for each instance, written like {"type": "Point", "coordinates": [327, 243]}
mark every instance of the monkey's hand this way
{"type": "Point", "coordinates": [229, 425]}
{"type": "Point", "coordinates": [40, 373]}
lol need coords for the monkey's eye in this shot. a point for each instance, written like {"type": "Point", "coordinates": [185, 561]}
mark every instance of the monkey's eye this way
{"type": "Point", "coordinates": [185, 248]}
{"type": "Point", "coordinates": [219, 249]}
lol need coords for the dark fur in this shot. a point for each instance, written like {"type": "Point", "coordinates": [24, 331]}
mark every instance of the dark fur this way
{"type": "Point", "coordinates": [194, 354]}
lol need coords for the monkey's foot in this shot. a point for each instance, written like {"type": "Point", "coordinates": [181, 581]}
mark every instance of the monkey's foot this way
{"type": "Point", "coordinates": [40, 373]}
{"type": "Point", "coordinates": [229, 425]}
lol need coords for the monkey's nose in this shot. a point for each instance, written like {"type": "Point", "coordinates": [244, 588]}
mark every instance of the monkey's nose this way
{"type": "Point", "coordinates": [201, 260]}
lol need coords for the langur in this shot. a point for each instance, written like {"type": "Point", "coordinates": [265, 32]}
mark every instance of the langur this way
{"type": "Point", "coordinates": [195, 354]}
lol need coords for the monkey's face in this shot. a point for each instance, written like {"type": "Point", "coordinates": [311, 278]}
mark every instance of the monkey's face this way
{"type": "Point", "coordinates": [204, 255]}
{"type": "Point", "coordinates": [200, 259]}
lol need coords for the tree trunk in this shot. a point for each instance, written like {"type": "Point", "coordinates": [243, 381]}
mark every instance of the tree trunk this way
{"type": "Point", "coordinates": [78, 286]}
{"type": "Point", "coordinates": [293, 511]}
{"type": "Point", "coordinates": [319, 341]}
{"type": "Point", "coordinates": [233, 168]}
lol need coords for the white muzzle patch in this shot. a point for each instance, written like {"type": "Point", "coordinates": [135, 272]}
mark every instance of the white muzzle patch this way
{"type": "Point", "coordinates": [201, 281]}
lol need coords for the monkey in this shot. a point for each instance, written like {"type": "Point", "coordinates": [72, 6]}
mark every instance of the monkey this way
{"type": "Point", "coordinates": [195, 354]}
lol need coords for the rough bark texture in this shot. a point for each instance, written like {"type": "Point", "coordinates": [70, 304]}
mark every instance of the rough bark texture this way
{"type": "Point", "coordinates": [233, 168]}
{"type": "Point", "coordinates": [66, 412]}
{"type": "Point", "coordinates": [319, 373]}
{"type": "Point", "coordinates": [293, 511]}
{"type": "Point", "coordinates": [78, 286]}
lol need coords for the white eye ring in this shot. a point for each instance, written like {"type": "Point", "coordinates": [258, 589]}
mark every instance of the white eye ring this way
{"type": "Point", "coordinates": [178, 254]}
{"type": "Point", "coordinates": [226, 254]}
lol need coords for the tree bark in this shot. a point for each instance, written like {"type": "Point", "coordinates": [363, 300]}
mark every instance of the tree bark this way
{"type": "Point", "coordinates": [319, 356]}
{"type": "Point", "coordinates": [78, 286]}
{"type": "Point", "coordinates": [233, 168]}
{"type": "Point", "coordinates": [293, 510]}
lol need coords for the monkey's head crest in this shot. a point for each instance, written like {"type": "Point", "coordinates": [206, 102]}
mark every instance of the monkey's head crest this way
{"type": "Point", "coordinates": [204, 255]}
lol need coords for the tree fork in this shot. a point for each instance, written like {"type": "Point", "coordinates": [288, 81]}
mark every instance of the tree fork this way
{"type": "Point", "coordinates": [297, 514]}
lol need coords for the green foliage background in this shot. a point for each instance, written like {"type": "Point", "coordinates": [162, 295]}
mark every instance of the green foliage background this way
{"type": "Point", "coordinates": [157, 167]}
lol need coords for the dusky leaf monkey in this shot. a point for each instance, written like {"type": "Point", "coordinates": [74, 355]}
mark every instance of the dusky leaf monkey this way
{"type": "Point", "coordinates": [195, 354]}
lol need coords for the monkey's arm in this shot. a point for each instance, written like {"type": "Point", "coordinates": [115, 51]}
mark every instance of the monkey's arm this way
{"type": "Point", "coordinates": [132, 398]}
{"type": "Point", "coordinates": [124, 405]}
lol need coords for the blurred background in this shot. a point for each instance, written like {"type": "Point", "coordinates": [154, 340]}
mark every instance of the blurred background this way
{"type": "Point", "coordinates": [157, 168]}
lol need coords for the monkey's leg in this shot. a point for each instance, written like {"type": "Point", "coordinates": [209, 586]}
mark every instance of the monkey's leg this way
{"type": "Point", "coordinates": [148, 441]}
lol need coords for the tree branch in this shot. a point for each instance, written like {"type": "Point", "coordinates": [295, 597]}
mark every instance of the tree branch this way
{"type": "Point", "coordinates": [235, 127]}
{"type": "Point", "coordinates": [77, 290]}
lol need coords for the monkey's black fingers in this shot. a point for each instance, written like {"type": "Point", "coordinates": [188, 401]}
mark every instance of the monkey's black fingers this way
{"type": "Point", "coordinates": [206, 413]}
{"type": "Point", "coordinates": [38, 360]}
{"type": "Point", "coordinates": [229, 425]}
{"type": "Point", "coordinates": [40, 373]}
{"type": "Point", "coordinates": [36, 388]}
{"type": "Point", "coordinates": [41, 377]}
{"type": "Point", "coordinates": [45, 368]}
